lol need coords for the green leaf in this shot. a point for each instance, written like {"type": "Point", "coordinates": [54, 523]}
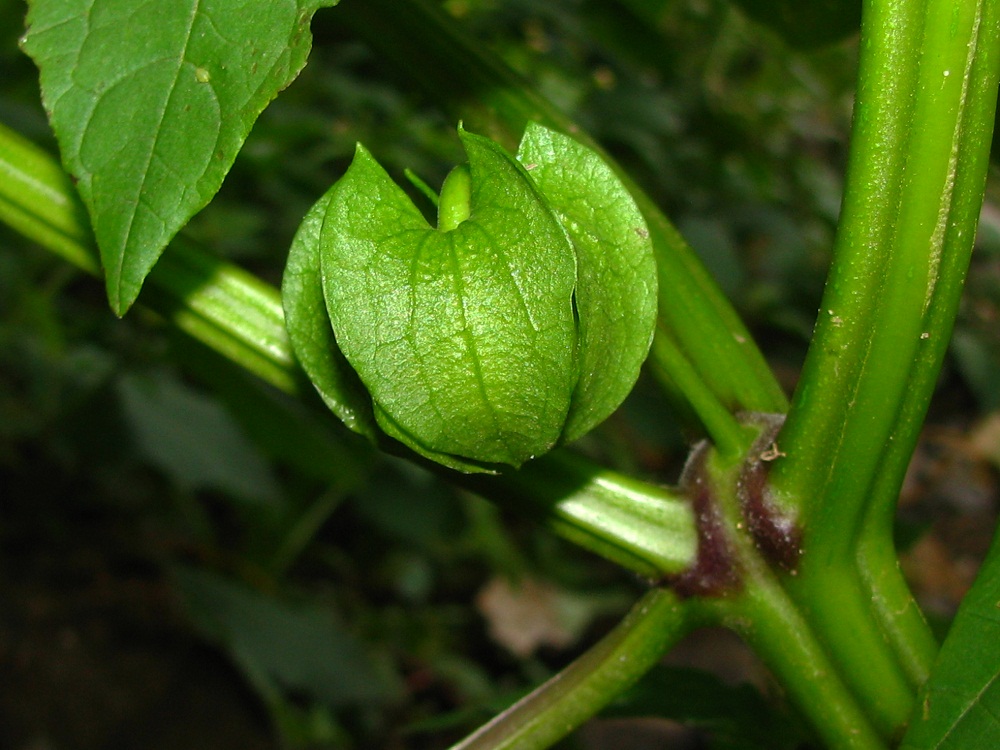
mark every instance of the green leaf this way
{"type": "Point", "coordinates": [616, 271]}
{"type": "Point", "coordinates": [465, 339]}
{"type": "Point", "coordinates": [151, 103]}
{"type": "Point", "coordinates": [960, 704]}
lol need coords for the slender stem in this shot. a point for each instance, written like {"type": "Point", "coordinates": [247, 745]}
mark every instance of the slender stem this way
{"type": "Point", "coordinates": [578, 692]}
{"type": "Point", "coordinates": [304, 530]}
{"type": "Point", "coordinates": [729, 436]}
{"type": "Point", "coordinates": [901, 621]}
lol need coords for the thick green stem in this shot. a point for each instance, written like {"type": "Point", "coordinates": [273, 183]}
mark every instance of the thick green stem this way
{"type": "Point", "coordinates": [905, 230]}
{"type": "Point", "coordinates": [768, 620]}
{"type": "Point", "coordinates": [849, 685]}
{"type": "Point", "coordinates": [835, 601]}
{"type": "Point", "coordinates": [898, 613]}
{"type": "Point", "coordinates": [823, 408]}
{"type": "Point", "coordinates": [578, 692]}
{"type": "Point", "coordinates": [923, 117]}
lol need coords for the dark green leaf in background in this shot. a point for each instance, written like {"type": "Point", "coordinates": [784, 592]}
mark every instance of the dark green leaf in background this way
{"type": "Point", "coordinates": [301, 647]}
{"type": "Point", "coordinates": [959, 708]}
{"type": "Point", "coordinates": [151, 103]}
{"type": "Point", "coordinates": [736, 717]}
{"type": "Point", "coordinates": [283, 427]}
{"type": "Point", "coordinates": [194, 441]}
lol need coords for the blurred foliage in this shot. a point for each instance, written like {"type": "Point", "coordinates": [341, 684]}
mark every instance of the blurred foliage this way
{"type": "Point", "coordinates": [738, 716]}
{"type": "Point", "coordinates": [150, 489]}
{"type": "Point", "coordinates": [807, 25]}
{"type": "Point", "coordinates": [976, 342]}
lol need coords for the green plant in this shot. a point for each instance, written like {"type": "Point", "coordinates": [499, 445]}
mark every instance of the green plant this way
{"type": "Point", "coordinates": [781, 526]}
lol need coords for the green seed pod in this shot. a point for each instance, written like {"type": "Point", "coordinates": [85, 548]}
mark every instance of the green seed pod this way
{"type": "Point", "coordinates": [519, 322]}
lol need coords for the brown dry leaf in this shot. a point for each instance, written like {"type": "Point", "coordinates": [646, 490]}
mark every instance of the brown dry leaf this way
{"type": "Point", "coordinates": [952, 488]}
{"type": "Point", "coordinates": [985, 439]}
{"type": "Point", "coordinates": [529, 614]}
{"type": "Point", "coordinates": [941, 576]}
{"type": "Point", "coordinates": [523, 617]}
